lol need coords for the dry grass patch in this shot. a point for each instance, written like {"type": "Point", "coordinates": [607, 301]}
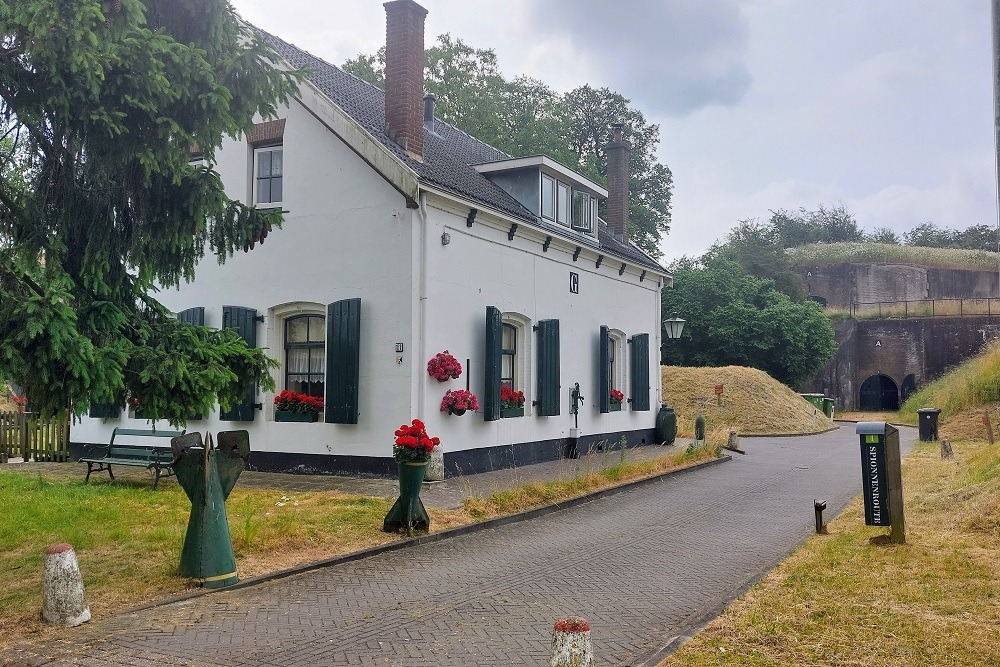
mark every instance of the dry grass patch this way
{"type": "Point", "coordinates": [893, 417]}
{"type": "Point", "coordinates": [841, 601]}
{"type": "Point", "coordinates": [819, 254]}
{"type": "Point", "coordinates": [536, 494]}
{"type": "Point", "coordinates": [752, 402]}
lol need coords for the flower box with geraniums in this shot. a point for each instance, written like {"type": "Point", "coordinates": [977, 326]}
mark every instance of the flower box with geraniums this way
{"type": "Point", "coordinates": [412, 451]}
{"type": "Point", "coordinates": [444, 367]}
{"type": "Point", "coordinates": [615, 401]}
{"type": "Point", "coordinates": [457, 401]}
{"type": "Point", "coordinates": [292, 407]}
{"type": "Point", "coordinates": [511, 402]}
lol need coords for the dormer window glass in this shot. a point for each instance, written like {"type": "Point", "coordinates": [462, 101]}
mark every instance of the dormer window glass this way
{"type": "Point", "coordinates": [563, 201]}
{"type": "Point", "coordinates": [582, 220]}
{"type": "Point", "coordinates": [548, 197]}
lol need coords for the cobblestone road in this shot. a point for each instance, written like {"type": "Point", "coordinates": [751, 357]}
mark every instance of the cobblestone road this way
{"type": "Point", "coordinates": [644, 567]}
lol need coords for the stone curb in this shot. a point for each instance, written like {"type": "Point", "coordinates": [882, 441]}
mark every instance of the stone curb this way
{"type": "Point", "coordinates": [426, 539]}
{"type": "Point", "coordinates": [787, 435]}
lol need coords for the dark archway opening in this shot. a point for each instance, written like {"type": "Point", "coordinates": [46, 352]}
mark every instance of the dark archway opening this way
{"type": "Point", "coordinates": [821, 300]}
{"type": "Point", "coordinates": [908, 388]}
{"type": "Point", "coordinates": [879, 393]}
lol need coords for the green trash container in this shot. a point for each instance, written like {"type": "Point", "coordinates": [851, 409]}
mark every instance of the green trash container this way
{"type": "Point", "coordinates": [666, 425]}
{"type": "Point", "coordinates": [815, 399]}
{"type": "Point", "coordinates": [828, 408]}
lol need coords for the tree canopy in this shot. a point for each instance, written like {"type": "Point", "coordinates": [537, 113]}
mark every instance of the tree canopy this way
{"type": "Point", "coordinates": [524, 116]}
{"type": "Point", "coordinates": [101, 102]}
{"type": "Point", "coordinates": [736, 319]}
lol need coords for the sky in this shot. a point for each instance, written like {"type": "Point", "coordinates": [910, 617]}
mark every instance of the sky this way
{"type": "Point", "coordinates": [882, 106]}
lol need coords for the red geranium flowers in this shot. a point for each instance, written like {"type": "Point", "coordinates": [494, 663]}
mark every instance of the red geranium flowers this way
{"type": "Point", "coordinates": [617, 397]}
{"type": "Point", "coordinates": [510, 399]}
{"type": "Point", "coordinates": [444, 367]}
{"type": "Point", "coordinates": [459, 400]}
{"type": "Point", "coordinates": [289, 401]}
{"type": "Point", "coordinates": [413, 443]}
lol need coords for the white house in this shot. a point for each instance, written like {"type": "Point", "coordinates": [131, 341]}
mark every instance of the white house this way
{"type": "Point", "coordinates": [405, 237]}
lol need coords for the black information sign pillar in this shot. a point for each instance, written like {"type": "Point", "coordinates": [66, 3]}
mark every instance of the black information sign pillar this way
{"type": "Point", "coordinates": [882, 478]}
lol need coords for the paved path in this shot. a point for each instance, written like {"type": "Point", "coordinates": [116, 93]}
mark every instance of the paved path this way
{"type": "Point", "coordinates": [643, 566]}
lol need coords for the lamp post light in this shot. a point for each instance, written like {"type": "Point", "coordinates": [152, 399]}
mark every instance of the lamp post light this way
{"type": "Point", "coordinates": [666, 419]}
{"type": "Point", "coordinates": [673, 327]}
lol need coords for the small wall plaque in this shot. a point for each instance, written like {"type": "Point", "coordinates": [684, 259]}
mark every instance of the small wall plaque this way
{"type": "Point", "coordinates": [574, 283]}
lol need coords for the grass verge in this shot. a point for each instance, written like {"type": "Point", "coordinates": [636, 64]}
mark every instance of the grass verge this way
{"type": "Point", "coordinates": [128, 540]}
{"type": "Point", "coordinates": [879, 253]}
{"type": "Point", "coordinates": [841, 601]}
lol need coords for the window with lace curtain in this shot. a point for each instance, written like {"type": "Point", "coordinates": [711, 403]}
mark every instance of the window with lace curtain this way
{"type": "Point", "coordinates": [305, 354]}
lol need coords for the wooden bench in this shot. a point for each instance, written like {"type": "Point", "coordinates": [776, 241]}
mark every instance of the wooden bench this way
{"type": "Point", "coordinates": [157, 459]}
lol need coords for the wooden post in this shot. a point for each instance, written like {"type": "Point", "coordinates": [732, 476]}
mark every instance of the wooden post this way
{"type": "Point", "coordinates": [946, 451]}
{"type": "Point", "coordinates": [989, 427]}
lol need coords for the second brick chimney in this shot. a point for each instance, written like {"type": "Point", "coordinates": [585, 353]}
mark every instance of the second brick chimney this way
{"type": "Point", "coordinates": [618, 177]}
{"type": "Point", "coordinates": [404, 75]}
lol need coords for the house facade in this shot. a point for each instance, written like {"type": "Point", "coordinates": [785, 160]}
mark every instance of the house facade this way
{"type": "Point", "coordinates": [405, 237]}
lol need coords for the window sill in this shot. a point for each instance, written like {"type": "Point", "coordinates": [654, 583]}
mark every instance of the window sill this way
{"type": "Point", "coordinates": [508, 413]}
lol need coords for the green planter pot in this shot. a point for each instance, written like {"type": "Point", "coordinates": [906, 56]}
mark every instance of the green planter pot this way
{"type": "Point", "coordinates": [287, 416]}
{"type": "Point", "coordinates": [614, 407]}
{"type": "Point", "coordinates": [408, 511]}
{"type": "Point", "coordinates": [511, 412]}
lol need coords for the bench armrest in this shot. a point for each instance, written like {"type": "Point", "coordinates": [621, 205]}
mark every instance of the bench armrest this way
{"type": "Point", "coordinates": [95, 451]}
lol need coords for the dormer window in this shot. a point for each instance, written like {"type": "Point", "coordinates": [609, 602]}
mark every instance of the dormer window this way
{"type": "Point", "coordinates": [548, 197]}
{"type": "Point", "coordinates": [583, 220]}
{"type": "Point", "coordinates": [562, 214]}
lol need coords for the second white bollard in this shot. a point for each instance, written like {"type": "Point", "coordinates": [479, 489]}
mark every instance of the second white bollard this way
{"type": "Point", "coordinates": [64, 602]}
{"type": "Point", "coordinates": [571, 644]}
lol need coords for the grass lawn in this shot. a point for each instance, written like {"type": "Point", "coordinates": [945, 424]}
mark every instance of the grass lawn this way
{"type": "Point", "coordinates": [841, 601]}
{"type": "Point", "coordinates": [128, 539]}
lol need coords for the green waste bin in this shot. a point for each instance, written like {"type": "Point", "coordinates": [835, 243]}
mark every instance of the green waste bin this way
{"type": "Point", "coordinates": [666, 425]}
{"type": "Point", "coordinates": [815, 399]}
{"type": "Point", "coordinates": [828, 408]}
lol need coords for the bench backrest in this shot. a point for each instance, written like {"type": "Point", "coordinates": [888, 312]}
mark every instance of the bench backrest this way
{"type": "Point", "coordinates": [131, 452]}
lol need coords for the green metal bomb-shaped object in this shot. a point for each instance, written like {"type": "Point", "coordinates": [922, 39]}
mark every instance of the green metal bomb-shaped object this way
{"type": "Point", "coordinates": [208, 474]}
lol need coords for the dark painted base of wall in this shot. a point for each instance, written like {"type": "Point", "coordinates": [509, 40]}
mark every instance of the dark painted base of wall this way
{"type": "Point", "coordinates": [468, 462]}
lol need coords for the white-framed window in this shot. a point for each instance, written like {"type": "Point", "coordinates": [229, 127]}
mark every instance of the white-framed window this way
{"type": "Point", "coordinates": [515, 352]}
{"type": "Point", "coordinates": [563, 204]}
{"type": "Point", "coordinates": [305, 354]}
{"type": "Point", "coordinates": [268, 175]}
{"type": "Point", "coordinates": [616, 360]}
{"type": "Point", "coordinates": [548, 197]}
{"type": "Point", "coordinates": [582, 220]}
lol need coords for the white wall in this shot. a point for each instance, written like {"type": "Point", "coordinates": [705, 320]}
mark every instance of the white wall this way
{"type": "Point", "coordinates": [347, 234]}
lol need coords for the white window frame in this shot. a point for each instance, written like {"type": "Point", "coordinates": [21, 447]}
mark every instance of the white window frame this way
{"type": "Point", "coordinates": [276, 318]}
{"type": "Point", "coordinates": [616, 345]}
{"type": "Point", "coordinates": [541, 197]}
{"type": "Point", "coordinates": [587, 226]}
{"type": "Point", "coordinates": [257, 151]}
{"type": "Point", "coordinates": [522, 365]}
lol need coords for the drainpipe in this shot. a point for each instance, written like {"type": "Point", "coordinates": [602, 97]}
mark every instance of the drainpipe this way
{"type": "Point", "coordinates": [422, 308]}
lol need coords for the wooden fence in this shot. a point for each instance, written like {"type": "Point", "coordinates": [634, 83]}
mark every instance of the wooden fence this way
{"type": "Point", "coordinates": [27, 436]}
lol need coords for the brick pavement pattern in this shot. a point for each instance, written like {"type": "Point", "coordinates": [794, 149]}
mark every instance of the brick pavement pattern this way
{"type": "Point", "coordinates": [643, 567]}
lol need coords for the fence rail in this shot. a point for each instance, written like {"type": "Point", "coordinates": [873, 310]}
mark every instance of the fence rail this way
{"type": "Point", "coordinates": [25, 435]}
{"type": "Point", "coordinates": [926, 308]}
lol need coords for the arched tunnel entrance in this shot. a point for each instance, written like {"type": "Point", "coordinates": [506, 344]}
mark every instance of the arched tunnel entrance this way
{"type": "Point", "coordinates": [879, 393]}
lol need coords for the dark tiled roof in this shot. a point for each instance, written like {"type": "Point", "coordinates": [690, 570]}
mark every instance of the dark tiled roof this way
{"type": "Point", "coordinates": [448, 152]}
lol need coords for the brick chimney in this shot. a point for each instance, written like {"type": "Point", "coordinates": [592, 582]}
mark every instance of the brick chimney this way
{"type": "Point", "coordinates": [404, 75]}
{"type": "Point", "coordinates": [618, 177]}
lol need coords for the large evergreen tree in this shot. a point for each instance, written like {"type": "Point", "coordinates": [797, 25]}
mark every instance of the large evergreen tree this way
{"type": "Point", "coordinates": [100, 203]}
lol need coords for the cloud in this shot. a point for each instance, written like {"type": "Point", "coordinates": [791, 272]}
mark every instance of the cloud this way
{"type": "Point", "coordinates": [670, 57]}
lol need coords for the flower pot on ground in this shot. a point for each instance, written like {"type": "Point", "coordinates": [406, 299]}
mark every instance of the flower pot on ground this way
{"type": "Point", "coordinates": [457, 401]}
{"type": "Point", "coordinates": [615, 400]}
{"type": "Point", "coordinates": [412, 452]}
{"type": "Point", "coordinates": [511, 402]}
{"type": "Point", "coordinates": [444, 367]}
{"type": "Point", "coordinates": [292, 407]}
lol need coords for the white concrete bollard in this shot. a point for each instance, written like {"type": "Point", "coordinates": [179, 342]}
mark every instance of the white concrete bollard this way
{"type": "Point", "coordinates": [571, 644]}
{"type": "Point", "coordinates": [435, 469]}
{"type": "Point", "coordinates": [64, 602]}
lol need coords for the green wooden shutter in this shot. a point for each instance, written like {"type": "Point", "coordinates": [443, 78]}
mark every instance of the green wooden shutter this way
{"type": "Point", "coordinates": [192, 316]}
{"type": "Point", "coordinates": [343, 361]}
{"type": "Point", "coordinates": [604, 358]}
{"type": "Point", "coordinates": [105, 411]}
{"type": "Point", "coordinates": [640, 373]}
{"type": "Point", "coordinates": [244, 320]}
{"type": "Point", "coordinates": [494, 344]}
{"type": "Point", "coordinates": [548, 368]}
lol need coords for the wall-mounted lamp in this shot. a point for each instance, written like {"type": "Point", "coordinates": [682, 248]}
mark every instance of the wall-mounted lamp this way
{"type": "Point", "coordinates": [445, 238]}
{"type": "Point", "coordinates": [672, 327]}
